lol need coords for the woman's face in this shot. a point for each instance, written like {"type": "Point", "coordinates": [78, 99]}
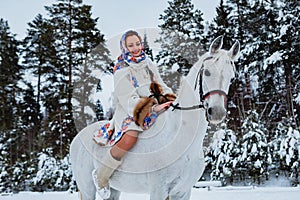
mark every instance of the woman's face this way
{"type": "Point", "coordinates": [134, 45]}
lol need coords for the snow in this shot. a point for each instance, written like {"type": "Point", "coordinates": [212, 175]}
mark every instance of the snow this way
{"type": "Point", "coordinates": [277, 56]}
{"type": "Point", "coordinates": [215, 193]}
{"type": "Point", "coordinates": [257, 164]}
{"type": "Point", "coordinates": [298, 99]}
{"type": "Point", "coordinates": [283, 30]}
{"type": "Point", "coordinates": [254, 149]}
{"type": "Point", "coordinates": [254, 84]}
{"type": "Point", "coordinates": [175, 67]}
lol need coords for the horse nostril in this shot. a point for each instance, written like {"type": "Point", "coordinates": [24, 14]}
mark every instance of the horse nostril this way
{"type": "Point", "coordinates": [215, 114]}
{"type": "Point", "coordinates": [209, 111]}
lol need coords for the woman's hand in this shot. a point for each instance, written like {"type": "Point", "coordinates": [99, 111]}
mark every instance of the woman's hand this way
{"type": "Point", "coordinates": [161, 107]}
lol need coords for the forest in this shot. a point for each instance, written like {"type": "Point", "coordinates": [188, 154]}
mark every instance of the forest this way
{"type": "Point", "coordinates": [48, 80]}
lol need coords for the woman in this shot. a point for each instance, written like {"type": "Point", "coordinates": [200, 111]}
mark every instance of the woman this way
{"type": "Point", "coordinates": [135, 109]}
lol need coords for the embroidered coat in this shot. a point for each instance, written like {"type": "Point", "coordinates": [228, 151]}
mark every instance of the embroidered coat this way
{"type": "Point", "coordinates": [130, 84]}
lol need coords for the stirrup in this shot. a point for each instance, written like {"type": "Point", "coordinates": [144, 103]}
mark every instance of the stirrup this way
{"type": "Point", "coordinates": [104, 192]}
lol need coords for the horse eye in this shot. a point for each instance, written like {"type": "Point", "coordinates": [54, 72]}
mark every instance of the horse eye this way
{"type": "Point", "coordinates": [206, 73]}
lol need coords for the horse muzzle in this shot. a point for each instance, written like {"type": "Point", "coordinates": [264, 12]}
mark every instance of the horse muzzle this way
{"type": "Point", "coordinates": [215, 114]}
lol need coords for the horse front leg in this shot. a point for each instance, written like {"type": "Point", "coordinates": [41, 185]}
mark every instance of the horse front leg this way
{"type": "Point", "coordinates": [115, 194]}
{"type": "Point", "coordinates": [180, 195]}
{"type": "Point", "coordinates": [159, 194]}
{"type": "Point", "coordinates": [87, 195]}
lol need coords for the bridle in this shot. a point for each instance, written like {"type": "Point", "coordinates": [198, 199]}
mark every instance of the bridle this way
{"type": "Point", "coordinates": [202, 96]}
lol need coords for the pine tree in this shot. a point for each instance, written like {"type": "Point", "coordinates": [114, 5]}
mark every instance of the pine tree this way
{"type": "Point", "coordinates": [39, 53]}
{"type": "Point", "coordinates": [42, 59]}
{"type": "Point", "coordinates": [255, 27]}
{"type": "Point", "coordinates": [180, 40]}
{"type": "Point", "coordinates": [267, 74]}
{"type": "Point", "coordinates": [222, 155]}
{"type": "Point", "coordinates": [287, 151]}
{"type": "Point", "coordinates": [288, 40]}
{"type": "Point", "coordinates": [10, 74]}
{"type": "Point", "coordinates": [63, 18]}
{"type": "Point", "coordinates": [221, 26]}
{"type": "Point", "coordinates": [276, 70]}
{"type": "Point", "coordinates": [52, 174]}
{"type": "Point", "coordinates": [99, 111]}
{"type": "Point", "coordinates": [76, 36]}
{"type": "Point", "coordinates": [88, 84]}
{"type": "Point", "coordinates": [31, 119]}
{"type": "Point", "coordinates": [255, 156]}
{"type": "Point", "coordinates": [27, 143]}
{"type": "Point", "coordinates": [147, 48]}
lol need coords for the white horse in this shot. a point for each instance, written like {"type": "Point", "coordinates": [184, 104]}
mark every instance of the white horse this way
{"type": "Point", "coordinates": [168, 158]}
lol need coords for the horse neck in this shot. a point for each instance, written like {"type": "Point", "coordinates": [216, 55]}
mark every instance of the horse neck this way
{"type": "Point", "coordinates": [188, 95]}
{"type": "Point", "coordinates": [191, 124]}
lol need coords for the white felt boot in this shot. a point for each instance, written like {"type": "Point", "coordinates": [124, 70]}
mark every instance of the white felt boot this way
{"type": "Point", "coordinates": [102, 174]}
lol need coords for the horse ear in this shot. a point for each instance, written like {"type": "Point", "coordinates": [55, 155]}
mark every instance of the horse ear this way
{"type": "Point", "coordinates": [216, 45]}
{"type": "Point", "coordinates": [234, 50]}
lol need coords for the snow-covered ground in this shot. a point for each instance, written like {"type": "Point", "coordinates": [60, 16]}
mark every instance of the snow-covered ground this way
{"type": "Point", "coordinates": [222, 193]}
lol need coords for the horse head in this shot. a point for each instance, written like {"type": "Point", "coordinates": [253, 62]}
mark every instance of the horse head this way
{"type": "Point", "coordinates": [216, 71]}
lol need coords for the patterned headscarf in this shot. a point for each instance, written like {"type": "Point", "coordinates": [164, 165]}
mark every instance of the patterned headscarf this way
{"type": "Point", "coordinates": [126, 55]}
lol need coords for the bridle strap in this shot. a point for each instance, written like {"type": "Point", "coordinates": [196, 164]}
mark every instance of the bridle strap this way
{"type": "Point", "coordinates": [220, 92]}
{"type": "Point", "coordinates": [177, 107]}
{"type": "Point", "coordinates": [207, 95]}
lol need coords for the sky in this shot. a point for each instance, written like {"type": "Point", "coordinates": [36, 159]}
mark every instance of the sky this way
{"type": "Point", "coordinates": [115, 16]}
